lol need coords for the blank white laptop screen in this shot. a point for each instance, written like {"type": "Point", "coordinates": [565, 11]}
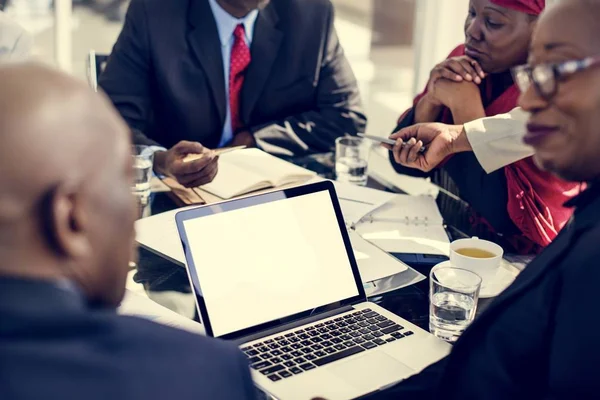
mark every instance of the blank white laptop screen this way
{"type": "Point", "coordinates": [269, 261]}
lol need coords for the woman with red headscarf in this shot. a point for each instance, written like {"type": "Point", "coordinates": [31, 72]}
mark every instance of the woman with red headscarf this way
{"type": "Point", "coordinates": [520, 206]}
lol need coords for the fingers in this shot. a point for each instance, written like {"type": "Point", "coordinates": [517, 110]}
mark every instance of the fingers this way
{"type": "Point", "coordinates": [459, 69]}
{"type": "Point", "coordinates": [409, 155]}
{"type": "Point", "coordinates": [180, 167]}
{"type": "Point", "coordinates": [413, 152]}
{"type": "Point", "coordinates": [184, 147]}
{"type": "Point", "coordinates": [477, 68]}
{"type": "Point", "coordinates": [425, 132]}
{"type": "Point", "coordinates": [404, 150]}
{"type": "Point", "coordinates": [442, 72]}
{"type": "Point", "coordinates": [199, 178]}
{"type": "Point", "coordinates": [405, 134]}
{"type": "Point", "coordinates": [464, 68]}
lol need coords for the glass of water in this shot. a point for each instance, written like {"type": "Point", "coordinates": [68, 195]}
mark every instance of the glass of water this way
{"type": "Point", "coordinates": [351, 160]}
{"type": "Point", "coordinates": [454, 293]}
{"type": "Point", "coordinates": [143, 161]}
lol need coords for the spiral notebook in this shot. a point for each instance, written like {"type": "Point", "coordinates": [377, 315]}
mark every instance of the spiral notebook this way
{"type": "Point", "coordinates": [407, 224]}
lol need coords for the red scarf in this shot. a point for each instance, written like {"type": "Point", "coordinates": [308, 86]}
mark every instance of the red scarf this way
{"type": "Point", "coordinates": [532, 7]}
{"type": "Point", "coordinates": [535, 197]}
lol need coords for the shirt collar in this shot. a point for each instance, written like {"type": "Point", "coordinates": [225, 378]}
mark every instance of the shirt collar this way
{"type": "Point", "coordinates": [32, 295]}
{"type": "Point", "coordinates": [587, 196]}
{"type": "Point", "coordinates": [587, 207]}
{"type": "Point", "coordinates": [226, 23]}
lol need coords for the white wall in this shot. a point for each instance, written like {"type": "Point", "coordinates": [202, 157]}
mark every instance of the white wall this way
{"type": "Point", "coordinates": [439, 28]}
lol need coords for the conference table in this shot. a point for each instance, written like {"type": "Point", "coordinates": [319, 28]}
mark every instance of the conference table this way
{"type": "Point", "coordinates": [167, 283]}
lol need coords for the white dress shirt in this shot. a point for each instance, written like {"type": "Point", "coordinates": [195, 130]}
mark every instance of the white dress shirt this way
{"type": "Point", "coordinates": [498, 141]}
{"type": "Point", "coordinates": [226, 24]}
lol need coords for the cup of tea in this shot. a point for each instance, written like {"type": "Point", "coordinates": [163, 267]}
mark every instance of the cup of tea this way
{"type": "Point", "coordinates": [480, 256]}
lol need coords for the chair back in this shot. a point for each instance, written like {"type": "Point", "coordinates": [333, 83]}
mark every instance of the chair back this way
{"type": "Point", "coordinates": [95, 65]}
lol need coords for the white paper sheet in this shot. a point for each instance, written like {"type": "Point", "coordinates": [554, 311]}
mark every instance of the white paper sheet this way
{"type": "Point", "coordinates": [407, 224]}
{"type": "Point", "coordinates": [159, 234]}
{"type": "Point", "coordinates": [139, 305]}
{"type": "Point", "coordinates": [374, 263]}
{"type": "Point", "coordinates": [357, 201]}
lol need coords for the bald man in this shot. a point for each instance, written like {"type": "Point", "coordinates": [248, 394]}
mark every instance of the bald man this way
{"type": "Point", "coordinates": [66, 237]}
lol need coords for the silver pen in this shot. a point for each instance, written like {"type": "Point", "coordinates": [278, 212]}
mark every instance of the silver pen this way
{"type": "Point", "coordinates": [391, 142]}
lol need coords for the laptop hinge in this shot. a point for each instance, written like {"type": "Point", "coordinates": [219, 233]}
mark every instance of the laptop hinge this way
{"type": "Point", "coordinates": [292, 325]}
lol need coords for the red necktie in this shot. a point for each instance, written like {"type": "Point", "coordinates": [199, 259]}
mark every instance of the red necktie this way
{"type": "Point", "coordinates": [240, 59]}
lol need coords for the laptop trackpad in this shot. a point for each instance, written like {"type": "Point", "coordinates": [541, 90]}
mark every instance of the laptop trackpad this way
{"type": "Point", "coordinates": [371, 371]}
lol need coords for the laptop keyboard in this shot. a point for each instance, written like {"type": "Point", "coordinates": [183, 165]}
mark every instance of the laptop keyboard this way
{"type": "Point", "coordinates": [323, 343]}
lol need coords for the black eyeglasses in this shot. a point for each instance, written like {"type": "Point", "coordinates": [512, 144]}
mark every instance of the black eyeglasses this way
{"type": "Point", "coordinates": [545, 77]}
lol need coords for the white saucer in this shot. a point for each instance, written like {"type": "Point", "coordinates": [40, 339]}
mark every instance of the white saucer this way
{"type": "Point", "coordinates": [501, 281]}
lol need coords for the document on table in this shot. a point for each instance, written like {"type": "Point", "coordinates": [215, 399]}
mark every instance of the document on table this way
{"type": "Point", "coordinates": [138, 305]}
{"type": "Point", "coordinates": [373, 263]}
{"type": "Point", "coordinates": [358, 201]}
{"type": "Point", "coordinates": [407, 224]}
{"type": "Point", "coordinates": [159, 234]}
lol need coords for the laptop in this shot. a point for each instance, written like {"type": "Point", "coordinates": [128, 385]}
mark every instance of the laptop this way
{"type": "Point", "coordinates": [276, 274]}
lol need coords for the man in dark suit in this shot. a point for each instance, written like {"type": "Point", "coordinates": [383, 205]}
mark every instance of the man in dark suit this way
{"type": "Point", "coordinates": [66, 237]}
{"type": "Point", "coordinates": [260, 73]}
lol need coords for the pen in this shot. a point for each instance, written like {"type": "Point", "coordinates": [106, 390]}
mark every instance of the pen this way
{"type": "Point", "coordinates": [218, 152]}
{"type": "Point", "coordinates": [391, 142]}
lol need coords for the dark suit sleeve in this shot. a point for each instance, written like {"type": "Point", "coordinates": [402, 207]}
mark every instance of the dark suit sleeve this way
{"type": "Point", "coordinates": [418, 387]}
{"type": "Point", "coordinates": [126, 79]}
{"type": "Point", "coordinates": [574, 352]}
{"type": "Point", "coordinates": [248, 387]}
{"type": "Point", "coordinates": [337, 110]}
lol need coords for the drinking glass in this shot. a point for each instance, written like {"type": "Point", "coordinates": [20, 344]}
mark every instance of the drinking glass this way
{"type": "Point", "coordinates": [454, 293]}
{"type": "Point", "coordinates": [143, 160]}
{"type": "Point", "coordinates": [351, 160]}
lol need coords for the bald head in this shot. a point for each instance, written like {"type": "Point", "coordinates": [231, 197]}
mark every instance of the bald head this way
{"type": "Point", "coordinates": [68, 155]}
{"type": "Point", "coordinates": [54, 130]}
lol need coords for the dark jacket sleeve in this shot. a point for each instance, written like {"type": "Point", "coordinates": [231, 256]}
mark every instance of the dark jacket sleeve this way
{"type": "Point", "coordinates": [337, 110]}
{"type": "Point", "coordinates": [574, 340]}
{"type": "Point", "coordinates": [418, 387]}
{"type": "Point", "coordinates": [486, 193]}
{"type": "Point", "coordinates": [126, 78]}
{"type": "Point", "coordinates": [406, 121]}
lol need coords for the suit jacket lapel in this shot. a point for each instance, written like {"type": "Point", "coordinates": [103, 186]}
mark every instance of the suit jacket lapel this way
{"type": "Point", "coordinates": [265, 45]}
{"type": "Point", "coordinates": [204, 40]}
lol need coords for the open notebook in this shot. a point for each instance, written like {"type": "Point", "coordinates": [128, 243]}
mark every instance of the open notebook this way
{"type": "Point", "coordinates": [407, 224]}
{"type": "Point", "coordinates": [249, 170]}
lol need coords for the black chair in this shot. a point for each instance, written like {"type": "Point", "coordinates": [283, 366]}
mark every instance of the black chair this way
{"type": "Point", "coordinates": [95, 66]}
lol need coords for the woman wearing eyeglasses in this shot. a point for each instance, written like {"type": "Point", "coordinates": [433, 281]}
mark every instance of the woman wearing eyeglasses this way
{"type": "Point", "coordinates": [539, 339]}
{"type": "Point", "coordinates": [518, 206]}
